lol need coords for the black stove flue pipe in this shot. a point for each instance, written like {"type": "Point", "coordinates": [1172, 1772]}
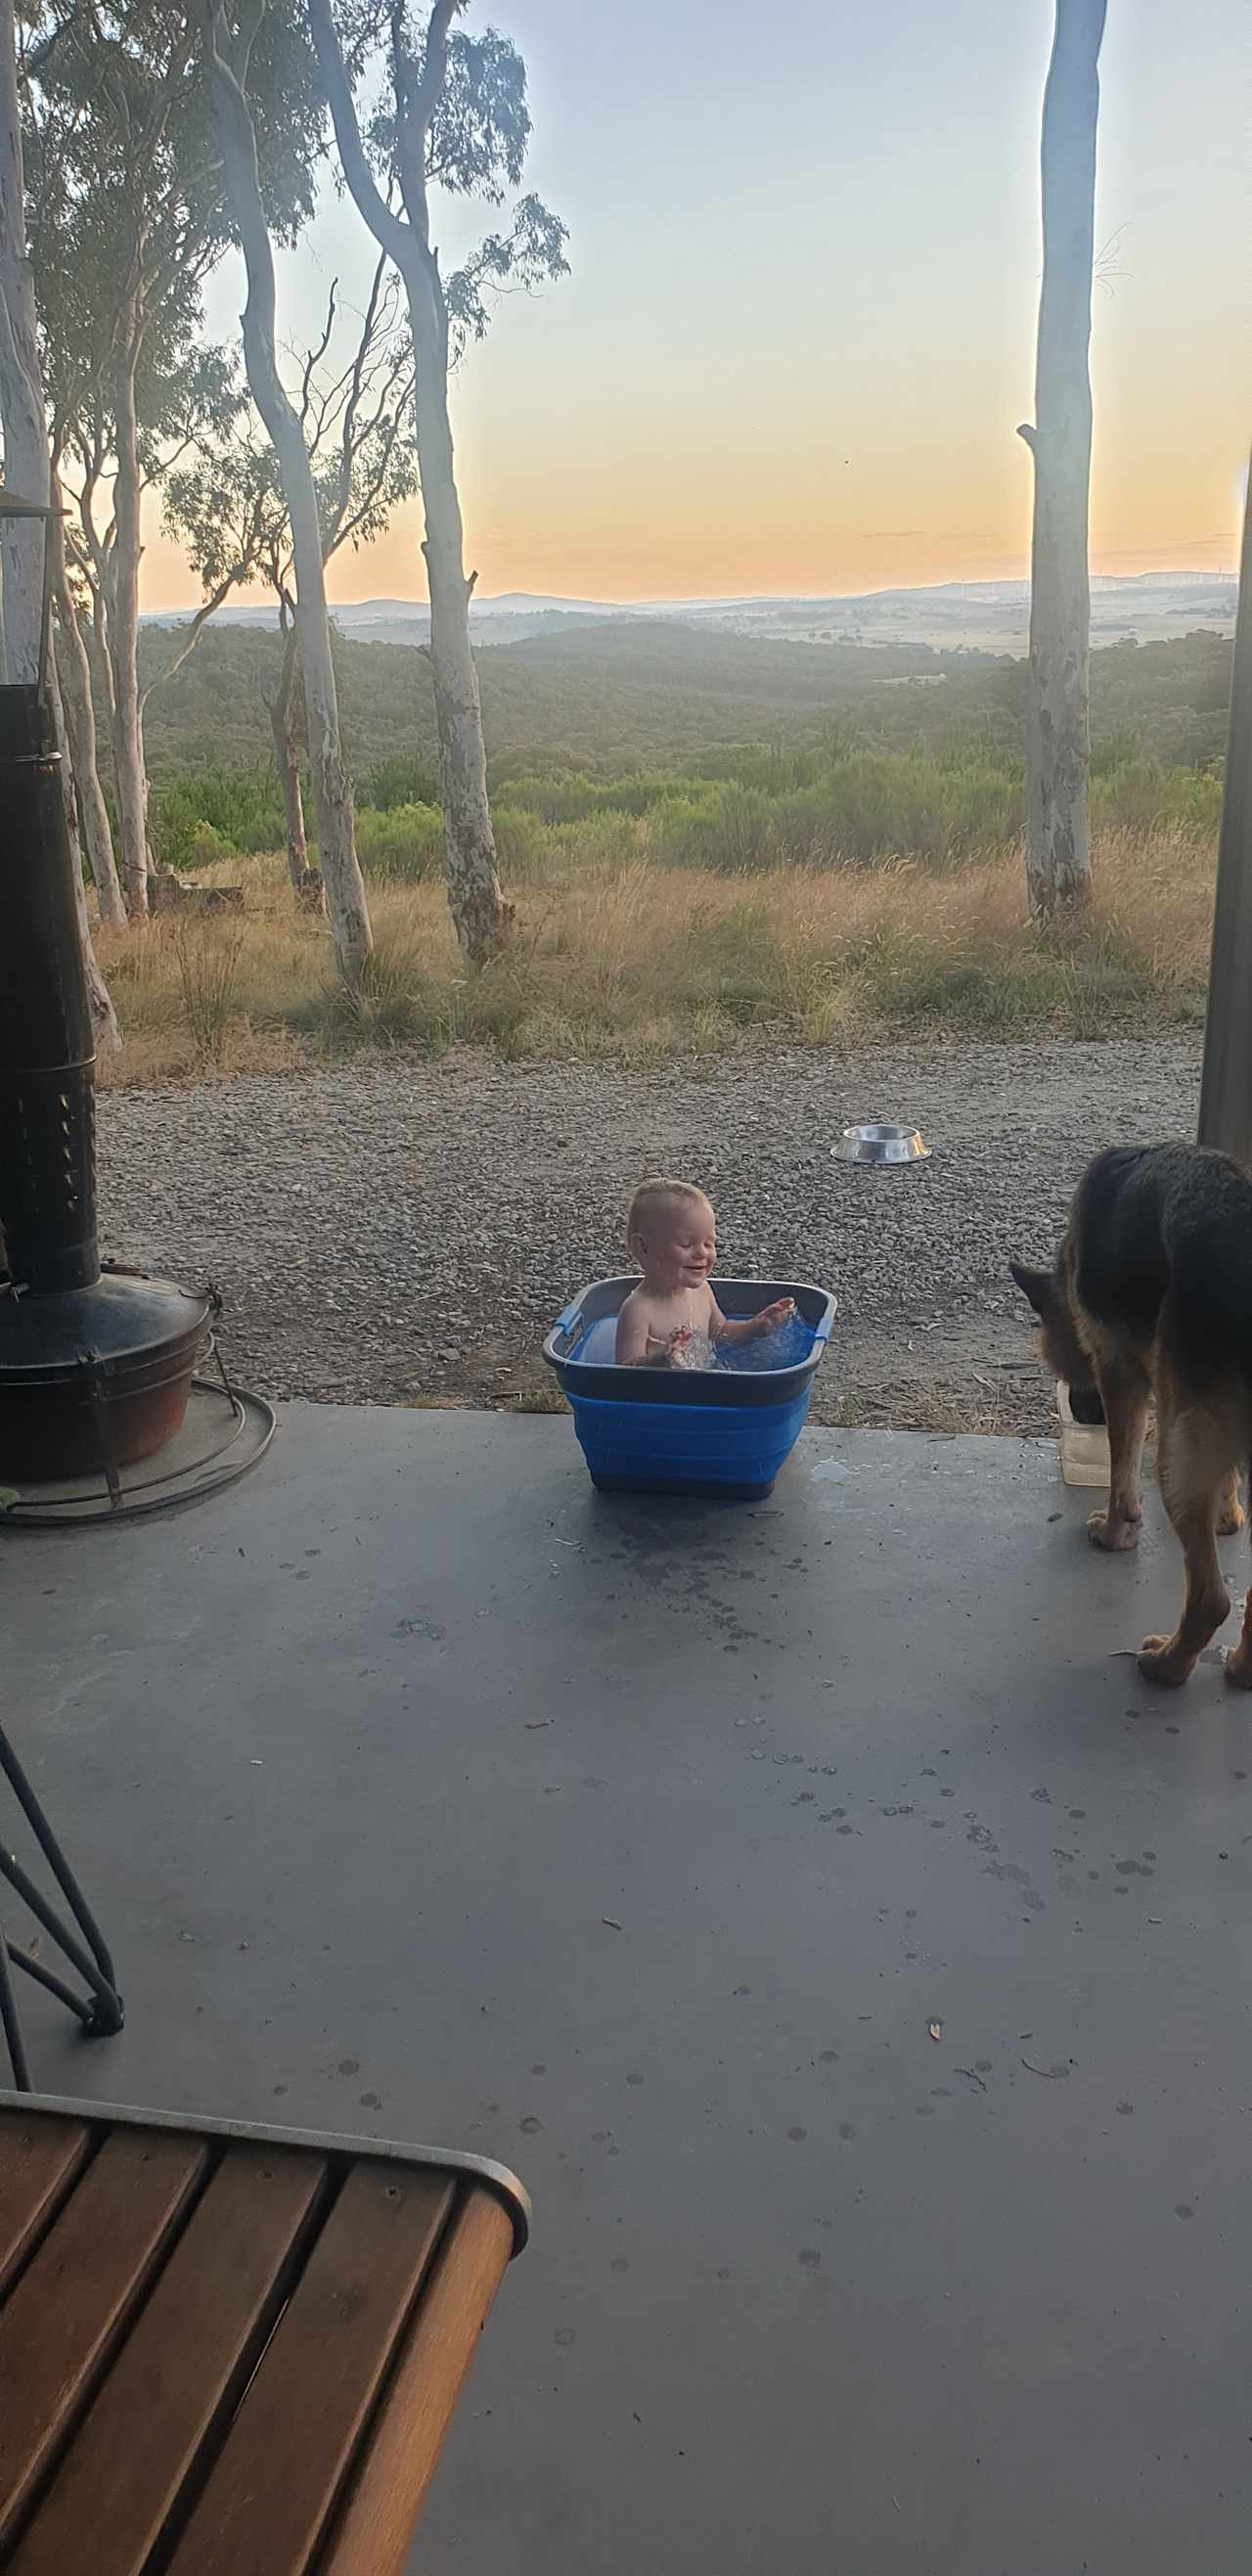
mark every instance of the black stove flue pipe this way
{"type": "Point", "coordinates": [47, 1049]}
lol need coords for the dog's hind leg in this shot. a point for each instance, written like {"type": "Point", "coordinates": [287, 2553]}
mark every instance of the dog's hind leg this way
{"type": "Point", "coordinates": [1196, 1449]}
{"type": "Point", "coordinates": [1239, 1660]}
{"type": "Point", "coordinates": [1124, 1395]}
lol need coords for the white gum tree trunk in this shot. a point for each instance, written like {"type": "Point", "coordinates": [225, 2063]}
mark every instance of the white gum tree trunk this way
{"type": "Point", "coordinates": [332, 787]}
{"type": "Point", "coordinates": [129, 776]}
{"type": "Point", "coordinates": [28, 470]}
{"type": "Point", "coordinates": [1058, 831]}
{"type": "Point", "coordinates": [478, 908]}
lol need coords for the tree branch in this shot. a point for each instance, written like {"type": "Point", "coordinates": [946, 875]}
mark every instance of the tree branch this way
{"type": "Point", "coordinates": [429, 89]}
{"type": "Point", "coordinates": [208, 608]}
{"type": "Point", "coordinates": [387, 229]}
{"type": "Point", "coordinates": [315, 356]}
{"type": "Point", "coordinates": [347, 448]}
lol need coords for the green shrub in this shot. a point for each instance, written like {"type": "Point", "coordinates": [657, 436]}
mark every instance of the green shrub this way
{"type": "Point", "coordinates": [1143, 795]}
{"type": "Point", "coordinates": [243, 807]}
{"type": "Point", "coordinates": [208, 844]}
{"type": "Point", "coordinates": [520, 843]}
{"type": "Point", "coordinates": [405, 779]}
{"type": "Point", "coordinates": [403, 846]}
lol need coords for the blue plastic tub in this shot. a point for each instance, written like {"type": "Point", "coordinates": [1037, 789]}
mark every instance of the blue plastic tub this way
{"type": "Point", "coordinates": [721, 1432]}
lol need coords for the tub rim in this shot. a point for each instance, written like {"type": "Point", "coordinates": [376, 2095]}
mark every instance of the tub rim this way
{"type": "Point", "coordinates": [749, 1388]}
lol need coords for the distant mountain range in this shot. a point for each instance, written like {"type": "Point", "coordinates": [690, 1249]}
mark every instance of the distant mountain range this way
{"type": "Point", "coordinates": [979, 617]}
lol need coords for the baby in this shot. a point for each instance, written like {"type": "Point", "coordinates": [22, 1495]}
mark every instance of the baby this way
{"type": "Point", "coordinates": [672, 1317]}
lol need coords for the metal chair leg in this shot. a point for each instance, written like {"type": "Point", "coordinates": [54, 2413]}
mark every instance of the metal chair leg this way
{"type": "Point", "coordinates": [100, 2009]}
{"type": "Point", "coordinates": [12, 2027]}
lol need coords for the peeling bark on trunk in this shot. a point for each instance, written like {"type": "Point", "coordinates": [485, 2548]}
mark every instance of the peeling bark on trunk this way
{"type": "Point", "coordinates": [286, 758]}
{"type": "Point", "coordinates": [129, 777]}
{"type": "Point", "coordinates": [478, 908]}
{"type": "Point", "coordinates": [103, 1016]}
{"type": "Point", "coordinates": [74, 674]}
{"type": "Point", "coordinates": [74, 680]}
{"type": "Point", "coordinates": [332, 787]}
{"type": "Point", "coordinates": [1058, 833]}
{"type": "Point", "coordinates": [28, 471]}
{"type": "Point", "coordinates": [26, 458]}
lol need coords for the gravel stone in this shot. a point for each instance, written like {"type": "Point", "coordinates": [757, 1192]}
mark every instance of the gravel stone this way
{"type": "Point", "coordinates": [399, 1232]}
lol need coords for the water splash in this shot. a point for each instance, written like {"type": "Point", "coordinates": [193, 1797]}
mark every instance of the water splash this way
{"type": "Point", "coordinates": [785, 1348]}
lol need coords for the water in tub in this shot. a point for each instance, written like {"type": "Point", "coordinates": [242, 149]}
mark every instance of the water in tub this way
{"type": "Point", "coordinates": [784, 1348]}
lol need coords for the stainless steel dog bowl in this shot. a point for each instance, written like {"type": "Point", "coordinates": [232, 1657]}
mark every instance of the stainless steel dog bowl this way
{"type": "Point", "coordinates": [880, 1145]}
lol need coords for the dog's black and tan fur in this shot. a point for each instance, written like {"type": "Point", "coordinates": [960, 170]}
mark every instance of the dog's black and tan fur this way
{"type": "Point", "coordinates": [1150, 1301]}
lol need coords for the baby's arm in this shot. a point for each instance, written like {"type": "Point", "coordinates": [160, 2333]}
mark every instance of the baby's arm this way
{"type": "Point", "coordinates": [749, 1328]}
{"type": "Point", "coordinates": [637, 1346]}
{"type": "Point", "coordinates": [631, 1345]}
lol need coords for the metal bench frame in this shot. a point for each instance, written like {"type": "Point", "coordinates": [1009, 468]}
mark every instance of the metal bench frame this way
{"type": "Point", "coordinates": [100, 2008]}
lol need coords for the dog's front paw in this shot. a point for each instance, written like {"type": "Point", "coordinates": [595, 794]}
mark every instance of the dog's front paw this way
{"type": "Point", "coordinates": [1232, 1518]}
{"type": "Point", "coordinates": [1104, 1531]}
{"type": "Point", "coordinates": [1160, 1662]}
{"type": "Point", "coordinates": [1239, 1666]}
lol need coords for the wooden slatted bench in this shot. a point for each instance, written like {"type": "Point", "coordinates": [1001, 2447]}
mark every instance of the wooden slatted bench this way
{"type": "Point", "coordinates": [230, 2351]}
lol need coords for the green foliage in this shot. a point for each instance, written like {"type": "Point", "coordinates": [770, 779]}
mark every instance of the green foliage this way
{"type": "Point", "coordinates": [214, 813]}
{"type": "Point", "coordinates": [404, 779]}
{"type": "Point", "coordinates": [403, 846]}
{"type": "Point", "coordinates": [520, 843]}
{"type": "Point", "coordinates": [125, 191]}
{"type": "Point", "coordinates": [1144, 794]}
{"type": "Point", "coordinates": [476, 145]}
{"type": "Point", "coordinates": [866, 807]}
{"type": "Point", "coordinates": [600, 779]}
{"type": "Point", "coordinates": [1116, 748]}
{"type": "Point", "coordinates": [572, 797]}
{"type": "Point", "coordinates": [602, 721]}
{"type": "Point", "coordinates": [530, 254]}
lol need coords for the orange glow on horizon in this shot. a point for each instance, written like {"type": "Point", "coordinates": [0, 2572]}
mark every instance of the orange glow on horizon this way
{"type": "Point", "coordinates": [707, 564]}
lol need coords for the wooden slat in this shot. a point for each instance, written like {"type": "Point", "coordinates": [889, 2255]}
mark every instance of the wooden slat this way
{"type": "Point", "coordinates": [187, 2359]}
{"type": "Point", "coordinates": [59, 2323]}
{"type": "Point", "coordinates": [375, 2526]}
{"type": "Point", "coordinates": [39, 2157]}
{"type": "Point", "coordinates": [265, 2508]}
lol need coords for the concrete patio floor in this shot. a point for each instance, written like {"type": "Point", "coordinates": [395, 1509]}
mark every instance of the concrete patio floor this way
{"type": "Point", "coordinates": [848, 1949]}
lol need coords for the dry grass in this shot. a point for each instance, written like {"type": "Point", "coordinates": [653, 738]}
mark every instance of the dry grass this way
{"type": "Point", "coordinates": [623, 957]}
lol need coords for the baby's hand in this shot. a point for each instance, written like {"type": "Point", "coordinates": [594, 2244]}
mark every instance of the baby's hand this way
{"type": "Point", "coordinates": [771, 1317]}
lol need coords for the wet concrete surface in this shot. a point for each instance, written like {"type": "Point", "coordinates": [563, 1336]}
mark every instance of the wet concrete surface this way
{"type": "Point", "coordinates": [847, 1947]}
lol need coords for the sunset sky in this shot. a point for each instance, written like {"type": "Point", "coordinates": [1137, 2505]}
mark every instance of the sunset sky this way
{"type": "Point", "coordinates": [799, 331]}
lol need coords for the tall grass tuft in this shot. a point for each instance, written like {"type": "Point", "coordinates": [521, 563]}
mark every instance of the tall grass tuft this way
{"type": "Point", "coordinates": [208, 962]}
{"type": "Point", "coordinates": [385, 1003]}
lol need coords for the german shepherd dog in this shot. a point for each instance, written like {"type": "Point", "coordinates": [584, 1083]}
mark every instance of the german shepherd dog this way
{"type": "Point", "coordinates": [1150, 1300]}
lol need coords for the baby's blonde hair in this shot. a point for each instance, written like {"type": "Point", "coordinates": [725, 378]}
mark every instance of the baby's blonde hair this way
{"type": "Point", "coordinates": [657, 1193]}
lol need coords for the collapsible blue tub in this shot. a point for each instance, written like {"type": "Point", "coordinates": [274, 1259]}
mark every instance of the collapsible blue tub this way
{"type": "Point", "coordinates": [723, 1432]}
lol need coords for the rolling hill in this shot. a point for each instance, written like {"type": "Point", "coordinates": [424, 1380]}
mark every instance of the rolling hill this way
{"type": "Point", "coordinates": [623, 694]}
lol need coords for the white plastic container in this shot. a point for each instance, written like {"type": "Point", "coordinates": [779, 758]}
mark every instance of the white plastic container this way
{"type": "Point", "coordinates": [1084, 1447]}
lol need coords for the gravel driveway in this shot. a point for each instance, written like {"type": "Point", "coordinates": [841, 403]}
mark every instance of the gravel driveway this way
{"type": "Point", "coordinates": [401, 1232]}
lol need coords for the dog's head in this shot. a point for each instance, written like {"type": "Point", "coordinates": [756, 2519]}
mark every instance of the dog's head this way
{"type": "Point", "coordinates": [1059, 1345]}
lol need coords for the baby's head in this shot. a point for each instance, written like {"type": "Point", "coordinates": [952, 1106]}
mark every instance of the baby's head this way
{"type": "Point", "coordinates": [672, 1234]}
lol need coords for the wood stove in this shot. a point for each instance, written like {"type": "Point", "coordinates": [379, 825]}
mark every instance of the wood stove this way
{"type": "Point", "coordinates": [95, 1366]}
